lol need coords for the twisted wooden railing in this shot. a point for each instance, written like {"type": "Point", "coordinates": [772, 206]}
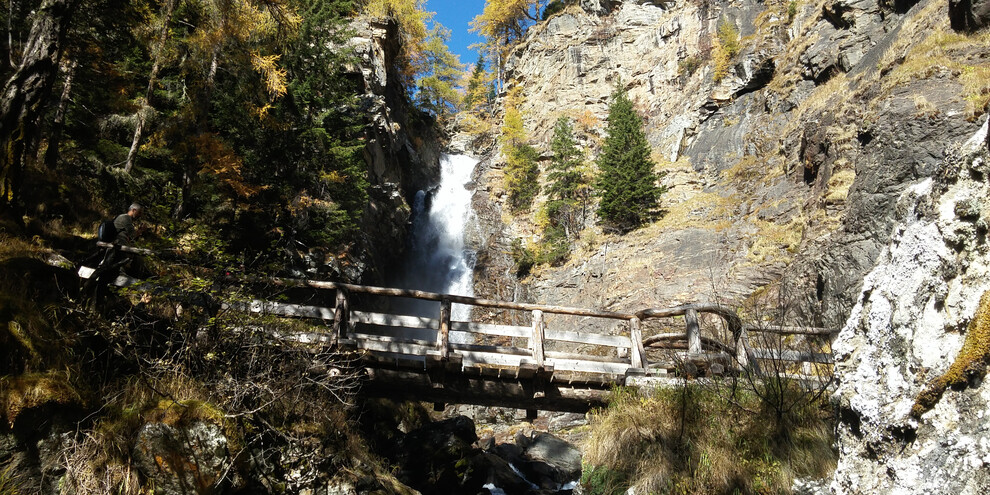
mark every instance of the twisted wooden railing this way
{"type": "Point", "coordinates": [439, 359]}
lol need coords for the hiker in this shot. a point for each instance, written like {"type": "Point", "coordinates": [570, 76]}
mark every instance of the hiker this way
{"type": "Point", "coordinates": [124, 223]}
{"type": "Point", "coordinates": [113, 258]}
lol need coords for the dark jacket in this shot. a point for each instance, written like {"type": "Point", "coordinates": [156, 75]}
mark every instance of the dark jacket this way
{"type": "Point", "coordinates": [125, 228]}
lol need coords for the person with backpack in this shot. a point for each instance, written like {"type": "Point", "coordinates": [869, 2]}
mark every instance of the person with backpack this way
{"type": "Point", "coordinates": [124, 223]}
{"type": "Point", "coordinates": [120, 231]}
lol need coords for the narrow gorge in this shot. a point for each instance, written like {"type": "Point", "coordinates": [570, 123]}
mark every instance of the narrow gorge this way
{"type": "Point", "coordinates": [727, 246]}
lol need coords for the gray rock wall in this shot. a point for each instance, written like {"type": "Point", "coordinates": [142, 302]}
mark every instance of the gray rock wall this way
{"type": "Point", "coordinates": [907, 327]}
{"type": "Point", "coordinates": [403, 150]}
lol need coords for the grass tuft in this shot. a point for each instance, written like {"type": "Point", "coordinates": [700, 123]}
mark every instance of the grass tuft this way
{"type": "Point", "coordinates": [692, 440]}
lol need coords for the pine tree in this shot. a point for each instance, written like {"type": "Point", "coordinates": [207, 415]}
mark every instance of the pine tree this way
{"type": "Point", "coordinates": [565, 178]}
{"type": "Point", "coordinates": [568, 185]}
{"type": "Point", "coordinates": [626, 182]}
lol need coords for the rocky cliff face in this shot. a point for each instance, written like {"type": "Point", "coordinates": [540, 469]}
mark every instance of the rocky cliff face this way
{"type": "Point", "coordinates": [828, 129]}
{"type": "Point", "coordinates": [787, 165]}
{"type": "Point", "coordinates": [910, 324]}
{"type": "Point", "coordinates": [403, 152]}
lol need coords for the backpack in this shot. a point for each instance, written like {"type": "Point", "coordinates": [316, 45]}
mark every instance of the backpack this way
{"type": "Point", "coordinates": [106, 232]}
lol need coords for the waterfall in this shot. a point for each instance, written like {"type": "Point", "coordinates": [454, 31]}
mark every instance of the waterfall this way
{"type": "Point", "coordinates": [438, 259]}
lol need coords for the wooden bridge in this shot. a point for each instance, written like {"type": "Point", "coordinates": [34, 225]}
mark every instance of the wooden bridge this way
{"type": "Point", "coordinates": [533, 365]}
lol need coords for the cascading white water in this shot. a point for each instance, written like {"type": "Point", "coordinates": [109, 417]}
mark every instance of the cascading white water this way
{"type": "Point", "coordinates": [438, 259]}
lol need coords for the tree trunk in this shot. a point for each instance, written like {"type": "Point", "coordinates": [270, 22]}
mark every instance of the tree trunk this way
{"type": "Point", "coordinates": [27, 90]}
{"type": "Point", "coordinates": [54, 141]}
{"type": "Point", "coordinates": [152, 79]}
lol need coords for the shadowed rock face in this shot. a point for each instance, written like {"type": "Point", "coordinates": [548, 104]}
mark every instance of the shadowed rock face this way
{"type": "Point", "coordinates": [969, 15]}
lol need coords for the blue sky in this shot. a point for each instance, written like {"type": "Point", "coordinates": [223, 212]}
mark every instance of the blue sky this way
{"type": "Point", "coordinates": [455, 15]}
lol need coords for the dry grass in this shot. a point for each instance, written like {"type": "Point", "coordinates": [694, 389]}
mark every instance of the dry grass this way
{"type": "Point", "coordinates": [101, 461]}
{"type": "Point", "coordinates": [838, 185]}
{"type": "Point", "coordinates": [18, 247]}
{"type": "Point", "coordinates": [775, 241]}
{"type": "Point", "coordinates": [689, 440]}
{"type": "Point", "coordinates": [705, 210]}
{"type": "Point", "coordinates": [928, 46]}
{"type": "Point", "coordinates": [32, 390]}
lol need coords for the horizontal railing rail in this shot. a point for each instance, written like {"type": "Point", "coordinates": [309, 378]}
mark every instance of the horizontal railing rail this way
{"type": "Point", "coordinates": [444, 339]}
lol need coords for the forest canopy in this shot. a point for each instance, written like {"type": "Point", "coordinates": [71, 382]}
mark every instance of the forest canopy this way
{"type": "Point", "coordinates": [244, 115]}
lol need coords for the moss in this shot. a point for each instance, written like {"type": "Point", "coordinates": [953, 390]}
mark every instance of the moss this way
{"type": "Point", "coordinates": [971, 362]}
{"type": "Point", "coordinates": [28, 391]}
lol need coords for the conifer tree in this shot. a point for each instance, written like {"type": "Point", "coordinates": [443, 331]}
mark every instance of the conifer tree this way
{"type": "Point", "coordinates": [627, 184]}
{"type": "Point", "coordinates": [565, 178]}
{"type": "Point", "coordinates": [522, 176]}
{"type": "Point", "coordinates": [568, 185]}
{"type": "Point", "coordinates": [476, 92]}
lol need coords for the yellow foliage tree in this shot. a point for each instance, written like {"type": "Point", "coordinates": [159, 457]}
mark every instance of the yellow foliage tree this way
{"type": "Point", "coordinates": [412, 19]}
{"type": "Point", "coordinates": [502, 22]}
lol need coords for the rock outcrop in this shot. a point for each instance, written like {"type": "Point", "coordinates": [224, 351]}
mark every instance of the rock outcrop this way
{"type": "Point", "coordinates": [788, 166]}
{"type": "Point", "coordinates": [909, 325]}
{"type": "Point", "coordinates": [403, 154]}
{"type": "Point", "coordinates": [969, 15]}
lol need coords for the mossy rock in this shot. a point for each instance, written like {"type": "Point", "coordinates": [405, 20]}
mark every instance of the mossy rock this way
{"type": "Point", "coordinates": [971, 362]}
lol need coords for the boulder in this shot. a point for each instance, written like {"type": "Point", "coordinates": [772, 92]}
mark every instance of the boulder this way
{"type": "Point", "coordinates": [563, 458]}
{"type": "Point", "coordinates": [182, 459]}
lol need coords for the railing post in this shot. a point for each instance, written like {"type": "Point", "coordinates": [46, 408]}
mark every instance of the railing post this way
{"type": "Point", "coordinates": [693, 332]}
{"type": "Point", "coordinates": [742, 359]}
{"type": "Point", "coordinates": [341, 316]}
{"type": "Point", "coordinates": [637, 352]}
{"type": "Point", "coordinates": [536, 341]}
{"type": "Point", "coordinates": [443, 335]}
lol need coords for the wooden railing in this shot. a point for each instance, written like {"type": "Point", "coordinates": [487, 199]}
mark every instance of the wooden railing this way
{"type": "Point", "coordinates": [442, 339]}
{"type": "Point", "coordinates": [466, 344]}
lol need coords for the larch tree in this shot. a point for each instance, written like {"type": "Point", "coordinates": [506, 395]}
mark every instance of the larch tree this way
{"type": "Point", "coordinates": [627, 183]}
{"type": "Point", "coordinates": [501, 23]}
{"type": "Point", "coordinates": [521, 170]}
{"type": "Point", "coordinates": [437, 75]}
{"type": "Point", "coordinates": [477, 87]}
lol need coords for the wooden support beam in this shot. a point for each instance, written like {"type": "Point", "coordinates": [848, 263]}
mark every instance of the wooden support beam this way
{"type": "Point", "coordinates": [693, 331]}
{"type": "Point", "coordinates": [443, 335]}
{"type": "Point", "coordinates": [742, 358]}
{"type": "Point", "coordinates": [637, 353]}
{"type": "Point", "coordinates": [536, 339]}
{"type": "Point", "coordinates": [481, 390]}
{"type": "Point", "coordinates": [341, 316]}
